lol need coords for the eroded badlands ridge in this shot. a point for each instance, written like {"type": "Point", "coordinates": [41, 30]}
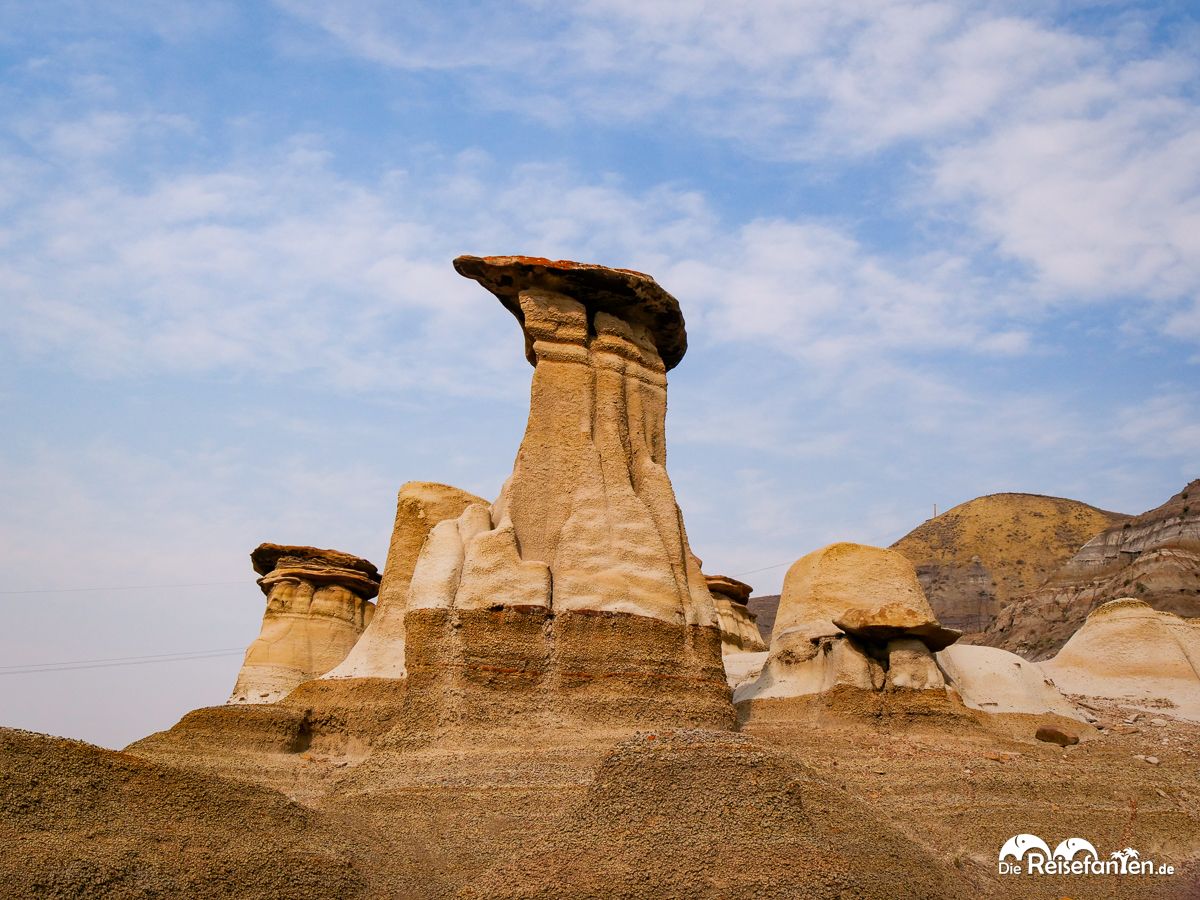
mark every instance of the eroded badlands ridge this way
{"type": "Point", "coordinates": [976, 558]}
{"type": "Point", "coordinates": [1154, 557]}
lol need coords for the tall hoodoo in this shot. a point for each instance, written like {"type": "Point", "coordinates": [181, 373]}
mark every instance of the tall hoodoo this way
{"type": "Point", "coordinates": [318, 603]}
{"type": "Point", "coordinates": [589, 498]}
{"type": "Point", "coordinates": [580, 572]}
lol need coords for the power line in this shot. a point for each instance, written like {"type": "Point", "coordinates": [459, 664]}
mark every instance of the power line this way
{"type": "Point", "coordinates": [116, 661]}
{"type": "Point", "coordinates": [763, 569]}
{"type": "Point", "coordinates": [106, 659]}
{"type": "Point", "coordinates": [181, 656]}
{"type": "Point", "coordinates": [127, 587]}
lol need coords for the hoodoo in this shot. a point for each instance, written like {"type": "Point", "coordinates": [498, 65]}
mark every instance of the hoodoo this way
{"type": "Point", "coordinates": [739, 632]}
{"type": "Point", "coordinates": [318, 603]}
{"type": "Point", "coordinates": [576, 589]}
{"type": "Point", "coordinates": [854, 616]}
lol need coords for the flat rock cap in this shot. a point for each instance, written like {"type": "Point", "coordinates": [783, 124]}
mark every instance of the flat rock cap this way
{"type": "Point", "coordinates": [277, 561]}
{"type": "Point", "coordinates": [737, 591]}
{"type": "Point", "coordinates": [625, 293]}
{"type": "Point", "coordinates": [896, 620]}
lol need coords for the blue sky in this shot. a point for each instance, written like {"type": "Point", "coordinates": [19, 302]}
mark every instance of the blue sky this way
{"type": "Point", "coordinates": [926, 251]}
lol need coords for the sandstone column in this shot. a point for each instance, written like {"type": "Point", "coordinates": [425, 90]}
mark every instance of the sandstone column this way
{"type": "Point", "coordinates": [318, 603]}
{"type": "Point", "coordinates": [578, 581]}
{"type": "Point", "coordinates": [420, 506]}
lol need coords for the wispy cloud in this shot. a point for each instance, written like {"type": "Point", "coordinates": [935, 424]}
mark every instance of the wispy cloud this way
{"type": "Point", "coordinates": [1068, 153]}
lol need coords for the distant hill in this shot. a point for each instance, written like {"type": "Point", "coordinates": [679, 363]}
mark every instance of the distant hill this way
{"type": "Point", "coordinates": [764, 608]}
{"type": "Point", "coordinates": [975, 558]}
{"type": "Point", "coordinates": [1154, 557]}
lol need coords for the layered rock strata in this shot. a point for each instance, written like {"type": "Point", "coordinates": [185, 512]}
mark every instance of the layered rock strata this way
{"type": "Point", "coordinates": [318, 604]}
{"type": "Point", "coordinates": [1127, 650]}
{"type": "Point", "coordinates": [420, 505]}
{"type": "Point", "coordinates": [1154, 557]}
{"type": "Point", "coordinates": [576, 590]}
{"type": "Point", "coordinates": [851, 616]}
{"type": "Point", "coordinates": [739, 631]}
{"type": "Point", "coordinates": [977, 557]}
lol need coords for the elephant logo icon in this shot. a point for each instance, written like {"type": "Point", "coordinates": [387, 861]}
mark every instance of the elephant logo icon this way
{"type": "Point", "coordinates": [1069, 848]}
{"type": "Point", "coordinates": [1018, 845]}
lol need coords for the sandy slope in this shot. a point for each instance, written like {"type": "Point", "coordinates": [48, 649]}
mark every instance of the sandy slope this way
{"type": "Point", "coordinates": [849, 795]}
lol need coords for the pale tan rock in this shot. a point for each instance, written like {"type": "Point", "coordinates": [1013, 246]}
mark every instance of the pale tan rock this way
{"type": "Point", "coordinates": [588, 520]}
{"type": "Point", "coordinates": [318, 604]}
{"type": "Point", "coordinates": [996, 681]}
{"type": "Point", "coordinates": [420, 505]}
{"type": "Point", "coordinates": [911, 666]}
{"type": "Point", "coordinates": [743, 668]}
{"type": "Point", "coordinates": [1130, 651]}
{"type": "Point", "coordinates": [842, 609]}
{"type": "Point", "coordinates": [739, 631]}
{"type": "Point", "coordinates": [869, 588]}
{"type": "Point", "coordinates": [814, 667]}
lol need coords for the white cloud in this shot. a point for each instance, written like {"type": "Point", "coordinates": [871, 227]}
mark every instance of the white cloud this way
{"type": "Point", "coordinates": [1165, 426]}
{"type": "Point", "coordinates": [1097, 189]}
{"type": "Point", "coordinates": [275, 267]}
{"type": "Point", "coordinates": [279, 266]}
{"type": "Point", "coordinates": [285, 268]}
{"type": "Point", "coordinates": [1069, 153]}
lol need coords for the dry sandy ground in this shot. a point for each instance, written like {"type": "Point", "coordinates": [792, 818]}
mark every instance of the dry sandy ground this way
{"type": "Point", "coordinates": [962, 790]}
{"type": "Point", "coordinates": [848, 796]}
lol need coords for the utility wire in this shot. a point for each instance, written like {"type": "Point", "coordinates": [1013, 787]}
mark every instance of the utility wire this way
{"type": "Point", "coordinates": [106, 659]}
{"type": "Point", "coordinates": [113, 662]}
{"type": "Point", "coordinates": [182, 656]}
{"type": "Point", "coordinates": [763, 569]}
{"type": "Point", "coordinates": [127, 587]}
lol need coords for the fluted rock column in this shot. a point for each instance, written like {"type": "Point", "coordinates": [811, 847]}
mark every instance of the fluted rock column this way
{"type": "Point", "coordinates": [318, 603]}
{"type": "Point", "coordinates": [580, 573]}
